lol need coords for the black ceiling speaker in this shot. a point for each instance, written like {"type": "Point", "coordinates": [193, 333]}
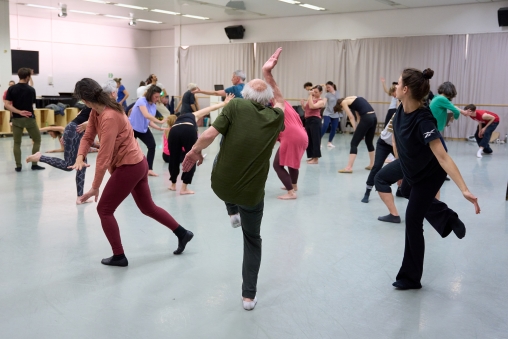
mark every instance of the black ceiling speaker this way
{"type": "Point", "coordinates": [502, 17]}
{"type": "Point", "coordinates": [234, 32]}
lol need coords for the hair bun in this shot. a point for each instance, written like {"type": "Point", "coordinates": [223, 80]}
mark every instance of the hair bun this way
{"type": "Point", "coordinates": [428, 73]}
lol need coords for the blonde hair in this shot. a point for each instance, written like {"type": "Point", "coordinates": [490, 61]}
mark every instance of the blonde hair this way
{"type": "Point", "coordinates": [170, 122]}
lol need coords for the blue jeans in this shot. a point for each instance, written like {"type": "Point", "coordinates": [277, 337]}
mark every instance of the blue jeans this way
{"type": "Point", "coordinates": [484, 142]}
{"type": "Point", "coordinates": [326, 122]}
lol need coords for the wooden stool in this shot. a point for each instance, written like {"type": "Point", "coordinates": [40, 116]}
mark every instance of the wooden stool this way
{"type": "Point", "coordinates": [44, 117]}
{"type": "Point", "coordinates": [61, 120]}
{"type": "Point", "coordinates": [72, 113]}
{"type": "Point", "coordinates": [5, 127]}
{"type": "Point", "coordinates": [494, 136]}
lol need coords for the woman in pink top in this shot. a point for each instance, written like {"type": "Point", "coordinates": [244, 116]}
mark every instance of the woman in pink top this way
{"type": "Point", "coordinates": [293, 142]}
{"type": "Point", "coordinates": [312, 107]}
{"type": "Point", "coordinates": [121, 156]}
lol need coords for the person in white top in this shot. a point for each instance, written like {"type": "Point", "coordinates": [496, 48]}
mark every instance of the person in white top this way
{"type": "Point", "coordinates": [141, 89]}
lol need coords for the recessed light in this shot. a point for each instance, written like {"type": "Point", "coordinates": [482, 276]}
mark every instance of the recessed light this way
{"type": "Point", "coordinates": [83, 12]}
{"type": "Point", "coordinates": [40, 6]}
{"type": "Point", "coordinates": [316, 8]}
{"type": "Point", "coordinates": [117, 17]}
{"type": "Point", "coordinates": [291, 2]}
{"type": "Point", "coordinates": [164, 12]}
{"type": "Point", "coordinates": [132, 6]}
{"type": "Point", "coordinates": [195, 17]}
{"type": "Point", "coordinates": [150, 21]}
{"type": "Point", "coordinates": [99, 1]}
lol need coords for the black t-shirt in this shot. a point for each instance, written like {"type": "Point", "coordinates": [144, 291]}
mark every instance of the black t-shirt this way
{"type": "Point", "coordinates": [413, 132]}
{"type": "Point", "coordinates": [188, 99]}
{"type": "Point", "coordinates": [187, 117]}
{"type": "Point", "coordinates": [361, 106]}
{"type": "Point", "coordinates": [23, 97]}
{"type": "Point", "coordinates": [82, 116]}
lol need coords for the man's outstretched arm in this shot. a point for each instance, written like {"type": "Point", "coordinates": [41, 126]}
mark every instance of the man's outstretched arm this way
{"type": "Point", "coordinates": [194, 155]}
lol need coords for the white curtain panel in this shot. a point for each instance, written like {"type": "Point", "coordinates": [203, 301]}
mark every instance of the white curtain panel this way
{"type": "Point", "coordinates": [303, 61]}
{"type": "Point", "coordinates": [213, 65]}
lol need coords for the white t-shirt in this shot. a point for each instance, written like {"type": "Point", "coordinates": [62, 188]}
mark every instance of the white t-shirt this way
{"type": "Point", "coordinates": [141, 90]}
{"type": "Point", "coordinates": [393, 103]}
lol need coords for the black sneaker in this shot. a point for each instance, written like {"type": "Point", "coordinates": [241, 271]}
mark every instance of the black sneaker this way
{"type": "Point", "coordinates": [120, 261]}
{"type": "Point", "coordinates": [37, 168]}
{"type": "Point", "coordinates": [403, 285]}
{"type": "Point", "coordinates": [18, 169]}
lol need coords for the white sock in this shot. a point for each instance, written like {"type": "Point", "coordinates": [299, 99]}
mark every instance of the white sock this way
{"type": "Point", "coordinates": [235, 220]}
{"type": "Point", "coordinates": [479, 153]}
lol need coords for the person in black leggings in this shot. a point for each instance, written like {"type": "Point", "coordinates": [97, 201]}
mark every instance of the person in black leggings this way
{"type": "Point", "coordinates": [383, 150]}
{"type": "Point", "coordinates": [425, 163]}
{"type": "Point", "coordinates": [142, 116]}
{"type": "Point", "coordinates": [182, 136]}
{"type": "Point", "coordinates": [366, 128]}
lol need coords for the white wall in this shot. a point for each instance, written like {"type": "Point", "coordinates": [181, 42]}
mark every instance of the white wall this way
{"type": "Point", "coordinates": [162, 59]}
{"type": "Point", "coordinates": [457, 19]}
{"type": "Point", "coordinates": [5, 50]}
{"type": "Point", "coordinates": [70, 51]}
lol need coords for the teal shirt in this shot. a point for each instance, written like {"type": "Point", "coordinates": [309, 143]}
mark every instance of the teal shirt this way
{"type": "Point", "coordinates": [440, 105]}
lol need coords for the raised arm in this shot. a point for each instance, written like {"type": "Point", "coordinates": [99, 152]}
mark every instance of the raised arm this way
{"type": "Point", "coordinates": [205, 111]}
{"type": "Point", "coordinates": [267, 74]}
{"type": "Point", "coordinates": [320, 104]}
{"type": "Point", "coordinates": [383, 81]}
{"type": "Point", "coordinates": [449, 166]}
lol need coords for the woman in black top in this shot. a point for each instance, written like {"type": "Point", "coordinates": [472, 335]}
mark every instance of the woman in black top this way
{"type": "Point", "coordinates": [182, 136]}
{"type": "Point", "coordinates": [188, 104]}
{"type": "Point", "coordinates": [424, 163]}
{"type": "Point", "coordinates": [366, 128]}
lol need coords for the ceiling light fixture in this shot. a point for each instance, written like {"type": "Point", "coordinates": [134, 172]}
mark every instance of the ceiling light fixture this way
{"type": "Point", "coordinates": [316, 8]}
{"type": "Point", "coordinates": [150, 21]}
{"type": "Point", "coordinates": [117, 17]}
{"type": "Point", "coordinates": [40, 6]}
{"type": "Point", "coordinates": [196, 17]}
{"type": "Point", "coordinates": [164, 12]}
{"type": "Point", "coordinates": [99, 1]}
{"type": "Point", "coordinates": [132, 6]}
{"type": "Point", "coordinates": [82, 12]}
{"type": "Point", "coordinates": [292, 2]}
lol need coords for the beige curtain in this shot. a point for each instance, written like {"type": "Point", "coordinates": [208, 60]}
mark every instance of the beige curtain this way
{"type": "Point", "coordinates": [210, 65]}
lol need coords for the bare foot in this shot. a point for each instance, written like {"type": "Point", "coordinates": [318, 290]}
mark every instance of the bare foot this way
{"type": "Point", "coordinates": [172, 187]}
{"type": "Point", "coordinates": [186, 192]}
{"type": "Point", "coordinates": [34, 157]}
{"type": "Point", "coordinates": [79, 202]}
{"type": "Point", "coordinates": [289, 196]}
{"type": "Point", "coordinates": [295, 187]}
{"type": "Point", "coordinates": [152, 173]}
{"type": "Point", "coordinates": [312, 162]}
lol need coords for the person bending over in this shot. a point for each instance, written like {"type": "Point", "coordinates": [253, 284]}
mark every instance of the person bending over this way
{"type": "Point", "coordinates": [121, 156]}
{"type": "Point", "coordinates": [250, 130]}
{"type": "Point", "coordinates": [487, 124]}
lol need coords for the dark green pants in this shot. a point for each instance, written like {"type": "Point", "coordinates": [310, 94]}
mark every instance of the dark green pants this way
{"type": "Point", "coordinates": [251, 225]}
{"type": "Point", "coordinates": [18, 124]}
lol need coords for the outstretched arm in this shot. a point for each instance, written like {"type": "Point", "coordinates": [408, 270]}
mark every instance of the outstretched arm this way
{"type": "Point", "coordinates": [52, 129]}
{"type": "Point", "coordinates": [383, 81]}
{"type": "Point", "coordinates": [205, 111]}
{"type": "Point", "coordinates": [220, 93]}
{"type": "Point", "coordinates": [194, 155]}
{"type": "Point", "coordinates": [267, 74]}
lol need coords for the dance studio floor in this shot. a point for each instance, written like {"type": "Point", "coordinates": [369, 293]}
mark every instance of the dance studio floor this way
{"type": "Point", "coordinates": [327, 266]}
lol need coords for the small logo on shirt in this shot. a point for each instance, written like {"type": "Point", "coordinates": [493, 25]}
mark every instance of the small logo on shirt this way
{"type": "Point", "coordinates": [428, 134]}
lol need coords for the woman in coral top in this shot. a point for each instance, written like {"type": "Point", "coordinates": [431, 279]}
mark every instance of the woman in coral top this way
{"type": "Point", "coordinates": [121, 156]}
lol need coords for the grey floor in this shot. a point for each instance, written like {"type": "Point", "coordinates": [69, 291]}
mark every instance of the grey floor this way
{"type": "Point", "coordinates": [327, 267]}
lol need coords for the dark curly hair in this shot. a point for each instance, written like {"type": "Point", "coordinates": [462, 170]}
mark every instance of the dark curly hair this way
{"type": "Point", "coordinates": [89, 90]}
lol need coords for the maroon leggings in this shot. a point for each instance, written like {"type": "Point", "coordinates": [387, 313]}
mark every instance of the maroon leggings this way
{"type": "Point", "coordinates": [288, 179]}
{"type": "Point", "coordinates": [128, 179]}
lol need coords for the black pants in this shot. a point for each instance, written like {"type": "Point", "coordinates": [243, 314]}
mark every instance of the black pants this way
{"type": "Point", "coordinates": [313, 129]}
{"type": "Point", "coordinates": [251, 217]}
{"type": "Point", "coordinates": [422, 204]}
{"type": "Point", "coordinates": [149, 141]}
{"type": "Point", "coordinates": [165, 157]}
{"type": "Point", "coordinates": [180, 140]}
{"type": "Point", "coordinates": [387, 176]}
{"type": "Point", "coordinates": [484, 141]}
{"type": "Point", "coordinates": [382, 151]}
{"type": "Point", "coordinates": [366, 128]}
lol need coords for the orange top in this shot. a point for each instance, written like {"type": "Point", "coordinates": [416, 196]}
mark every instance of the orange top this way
{"type": "Point", "coordinates": [118, 145]}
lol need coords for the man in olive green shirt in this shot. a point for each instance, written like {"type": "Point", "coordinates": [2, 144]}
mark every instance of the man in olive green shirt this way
{"type": "Point", "coordinates": [250, 130]}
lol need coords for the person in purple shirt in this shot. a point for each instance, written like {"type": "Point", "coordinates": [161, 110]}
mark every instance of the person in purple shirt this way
{"type": "Point", "coordinates": [142, 116]}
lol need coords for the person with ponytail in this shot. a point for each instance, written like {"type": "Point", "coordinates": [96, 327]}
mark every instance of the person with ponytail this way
{"type": "Point", "coordinates": [121, 156]}
{"type": "Point", "coordinates": [425, 163]}
{"type": "Point", "coordinates": [142, 116]}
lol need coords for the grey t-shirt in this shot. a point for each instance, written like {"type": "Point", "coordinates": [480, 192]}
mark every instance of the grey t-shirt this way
{"type": "Point", "coordinates": [330, 104]}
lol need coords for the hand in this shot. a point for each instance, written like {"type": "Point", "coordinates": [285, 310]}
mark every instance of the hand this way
{"type": "Point", "coordinates": [79, 164]}
{"type": "Point", "coordinates": [196, 90]}
{"type": "Point", "coordinates": [302, 103]}
{"type": "Point", "coordinates": [229, 97]}
{"type": "Point", "coordinates": [270, 63]}
{"type": "Point", "coordinates": [191, 159]}
{"type": "Point", "coordinates": [471, 198]}
{"type": "Point", "coordinates": [482, 131]}
{"type": "Point", "coordinates": [26, 114]}
{"type": "Point", "coordinates": [82, 127]}
{"type": "Point", "coordinates": [163, 121]}
{"type": "Point", "coordinates": [50, 151]}
{"type": "Point", "coordinates": [399, 182]}
{"type": "Point", "coordinates": [383, 80]}
{"type": "Point", "coordinates": [93, 192]}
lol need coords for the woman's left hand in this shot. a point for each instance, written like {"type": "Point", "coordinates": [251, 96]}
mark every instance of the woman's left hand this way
{"type": "Point", "coordinates": [471, 198]}
{"type": "Point", "coordinates": [228, 98]}
{"type": "Point", "coordinates": [93, 192]}
{"type": "Point", "coordinates": [82, 127]}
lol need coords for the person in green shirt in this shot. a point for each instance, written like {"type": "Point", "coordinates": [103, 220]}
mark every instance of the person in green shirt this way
{"type": "Point", "coordinates": [442, 103]}
{"type": "Point", "coordinates": [250, 130]}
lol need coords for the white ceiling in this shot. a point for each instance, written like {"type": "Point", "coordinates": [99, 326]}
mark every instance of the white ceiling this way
{"type": "Point", "coordinates": [216, 10]}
